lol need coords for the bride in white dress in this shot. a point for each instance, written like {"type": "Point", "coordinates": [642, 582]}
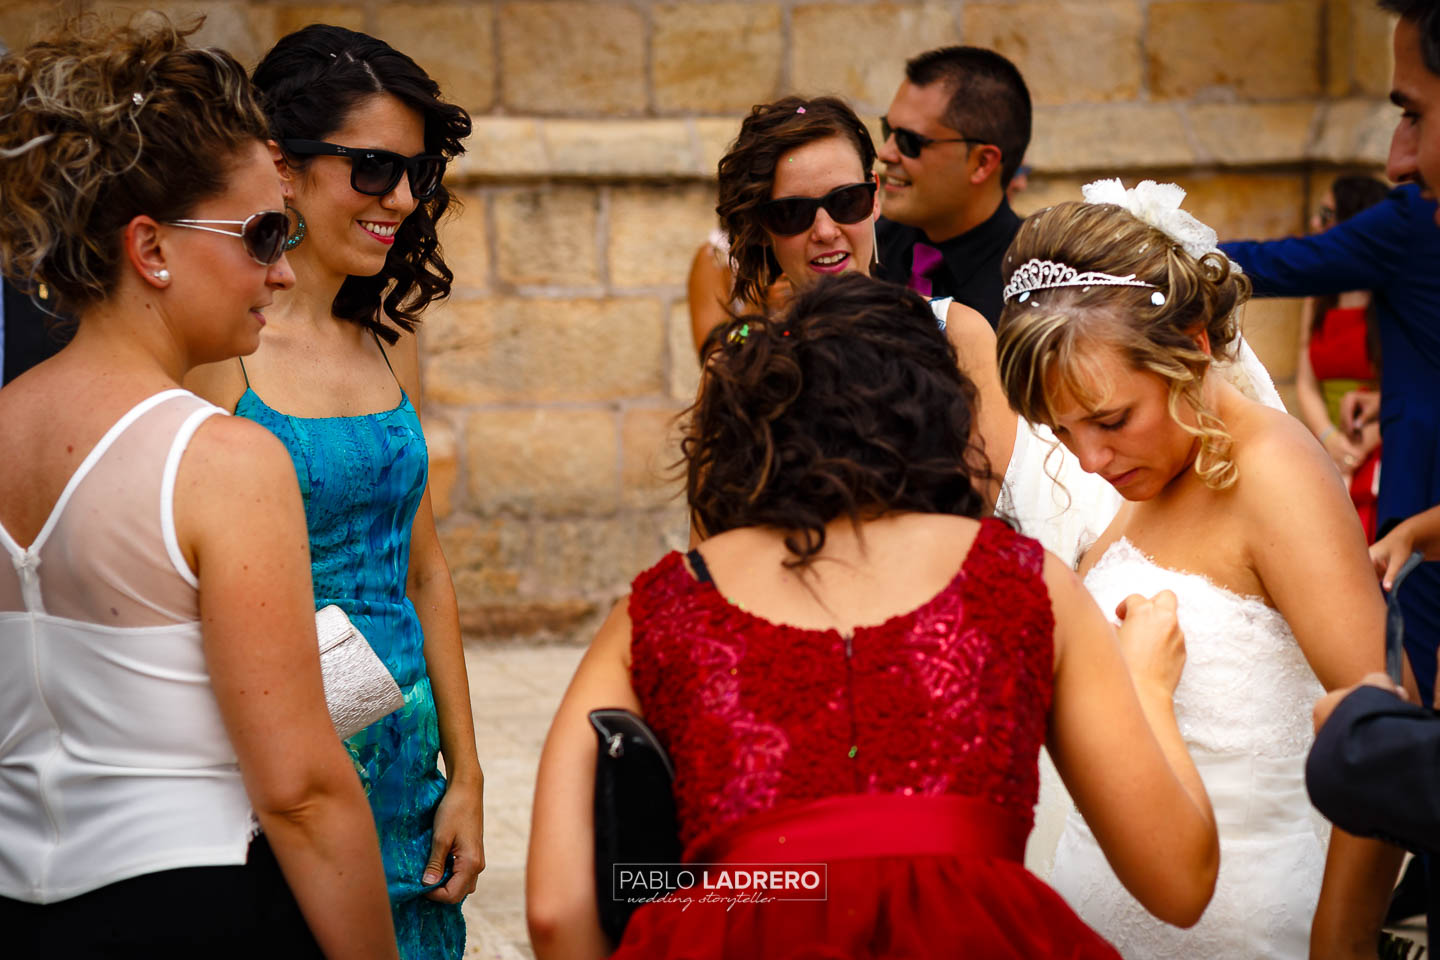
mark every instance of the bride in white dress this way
{"type": "Point", "coordinates": [1112, 334]}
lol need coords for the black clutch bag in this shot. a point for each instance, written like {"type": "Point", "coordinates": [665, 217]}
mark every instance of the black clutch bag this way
{"type": "Point", "coordinates": [634, 812]}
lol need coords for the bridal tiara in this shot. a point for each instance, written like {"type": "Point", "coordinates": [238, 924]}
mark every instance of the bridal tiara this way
{"type": "Point", "coordinates": [1037, 274]}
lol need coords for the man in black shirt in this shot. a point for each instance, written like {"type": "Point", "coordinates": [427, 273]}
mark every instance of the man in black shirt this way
{"type": "Point", "coordinates": [954, 136]}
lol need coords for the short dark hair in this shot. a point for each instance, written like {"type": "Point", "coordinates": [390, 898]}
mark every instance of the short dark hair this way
{"type": "Point", "coordinates": [1425, 14]}
{"type": "Point", "coordinates": [308, 83]}
{"type": "Point", "coordinates": [988, 98]}
{"type": "Point", "coordinates": [747, 176]}
{"type": "Point", "coordinates": [849, 404]}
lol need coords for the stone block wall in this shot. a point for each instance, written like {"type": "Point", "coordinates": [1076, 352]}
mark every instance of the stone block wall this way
{"type": "Point", "coordinates": [553, 373]}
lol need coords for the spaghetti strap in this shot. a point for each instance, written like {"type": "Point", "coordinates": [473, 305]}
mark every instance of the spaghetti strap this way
{"type": "Point", "coordinates": [384, 356]}
{"type": "Point", "coordinates": [697, 564]}
{"type": "Point", "coordinates": [243, 373]}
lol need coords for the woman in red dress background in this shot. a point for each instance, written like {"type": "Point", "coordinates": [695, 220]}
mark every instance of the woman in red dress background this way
{"type": "Point", "coordinates": [855, 669]}
{"type": "Point", "coordinates": [1339, 352]}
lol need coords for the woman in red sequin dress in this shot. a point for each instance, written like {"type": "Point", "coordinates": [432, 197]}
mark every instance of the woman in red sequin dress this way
{"type": "Point", "coordinates": [855, 670]}
{"type": "Point", "coordinates": [1338, 351]}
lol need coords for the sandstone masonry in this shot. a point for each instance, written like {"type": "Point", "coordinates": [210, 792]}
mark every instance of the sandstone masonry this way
{"type": "Point", "coordinates": [553, 373]}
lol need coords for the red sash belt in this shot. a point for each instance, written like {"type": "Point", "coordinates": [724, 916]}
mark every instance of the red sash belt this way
{"type": "Point", "coordinates": [869, 825]}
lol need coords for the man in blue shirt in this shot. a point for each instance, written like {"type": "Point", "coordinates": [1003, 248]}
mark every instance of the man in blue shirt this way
{"type": "Point", "coordinates": [1375, 766]}
{"type": "Point", "coordinates": [1393, 250]}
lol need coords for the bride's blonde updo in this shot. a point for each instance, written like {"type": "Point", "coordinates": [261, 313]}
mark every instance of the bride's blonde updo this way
{"type": "Point", "coordinates": [99, 124]}
{"type": "Point", "coordinates": [1046, 343]}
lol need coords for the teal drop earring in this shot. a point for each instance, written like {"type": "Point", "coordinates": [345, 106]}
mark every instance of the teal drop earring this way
{"type": "Point", "coordinates": [297, 236]}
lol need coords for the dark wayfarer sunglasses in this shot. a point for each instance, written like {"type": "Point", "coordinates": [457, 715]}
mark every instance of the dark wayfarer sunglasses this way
{"type": "Point", "coordinates": [376, 172]}
{"type": "Point", "coordinates": [788, 216]}
{"type": "Point", "coordinates": [910, 143]}
{"type": "Point", "coordinates": [263, 233]}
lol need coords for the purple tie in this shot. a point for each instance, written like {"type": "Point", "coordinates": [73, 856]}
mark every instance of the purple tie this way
{"type": "Point", "coordinates": [924, 258]}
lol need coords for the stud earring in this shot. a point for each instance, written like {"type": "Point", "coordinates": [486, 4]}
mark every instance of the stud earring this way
{"type": "Point", "coordinates": [297, 236]}
{"type": "Point", "coordinates": [162, 275]}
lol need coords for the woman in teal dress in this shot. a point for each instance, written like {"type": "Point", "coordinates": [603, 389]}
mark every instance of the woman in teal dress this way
{"type": "Point", "coordinates": [361, 140]}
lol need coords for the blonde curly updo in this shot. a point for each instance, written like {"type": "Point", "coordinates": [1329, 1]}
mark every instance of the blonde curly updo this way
{"type": "Point", "coordinates": [100, 123]}
{"type": "Point", "coordinates": [1046, 344]}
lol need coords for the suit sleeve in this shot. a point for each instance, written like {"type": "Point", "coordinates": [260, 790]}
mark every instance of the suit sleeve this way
{"type": "Point", "coordinates": [1374, 769]}
{"type": "Point", "coordinates": [1362, 253]}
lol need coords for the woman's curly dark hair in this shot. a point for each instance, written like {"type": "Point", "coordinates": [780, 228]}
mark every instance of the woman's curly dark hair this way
{"type": "Point", "coordinates": [850, 403]}
{"type": "Point", "coordinates": [308, 83]}
{"type": "Point", "coordinates": [747, 176]}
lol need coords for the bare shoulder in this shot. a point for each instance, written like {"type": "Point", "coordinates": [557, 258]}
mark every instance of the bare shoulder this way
{"type": "Point", "coordinates": [1063, 583]}
{"type": "Point", "coordinates": [1073, 609]}
{"type": "Point", "coordinates": [966, 326]}
{"type": "Point", "coordinates": [221, 383]}
{"type": "Point", "coordinates": [233, 455]}
{"type": "Point", "coordinates": [612, 640]}
{"type": "Point", "coordinates": [1287, 486]}
{"type": "Point", "coordinates": [1273, 448]}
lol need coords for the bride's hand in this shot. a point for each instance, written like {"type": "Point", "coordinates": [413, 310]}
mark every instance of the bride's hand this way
{"type": "Point", "coordinates": [1151, 640]}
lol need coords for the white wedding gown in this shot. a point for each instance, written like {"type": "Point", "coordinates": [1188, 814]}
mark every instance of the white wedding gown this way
{"type": "Point", "coordinates": [1243, 707]}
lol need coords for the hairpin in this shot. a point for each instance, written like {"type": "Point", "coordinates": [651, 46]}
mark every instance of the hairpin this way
{"type": "Point", "coordinates": [799, 109]}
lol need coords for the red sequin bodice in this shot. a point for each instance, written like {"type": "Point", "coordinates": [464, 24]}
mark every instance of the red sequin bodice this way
{"type": "Point", "coordinates": [950, 698]}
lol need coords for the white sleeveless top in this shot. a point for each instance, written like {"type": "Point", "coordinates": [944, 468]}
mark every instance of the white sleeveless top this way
{"type": "Point", "coordinates": [114, 761]}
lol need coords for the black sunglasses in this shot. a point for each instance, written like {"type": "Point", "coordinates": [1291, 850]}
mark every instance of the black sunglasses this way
{"type": "Point", "coordinates": [263, 233]}
{"type": "Point", "coordinates": [376, 172]}
{"type": "Point", "coordinates": [788, 216]}
{"type": "Point", "coordinates": [910, 143]}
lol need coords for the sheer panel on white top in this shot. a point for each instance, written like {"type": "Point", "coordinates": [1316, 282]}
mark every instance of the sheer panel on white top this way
{"type": "Point", "coordinates": [110, 558]}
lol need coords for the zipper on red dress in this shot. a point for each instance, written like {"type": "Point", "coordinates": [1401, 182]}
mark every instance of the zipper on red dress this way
{"type": "Point", "coordinates": [850, 698]}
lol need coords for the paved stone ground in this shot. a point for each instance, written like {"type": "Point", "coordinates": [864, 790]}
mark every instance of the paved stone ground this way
{"type": "Point", "coordinates": [514, 691]}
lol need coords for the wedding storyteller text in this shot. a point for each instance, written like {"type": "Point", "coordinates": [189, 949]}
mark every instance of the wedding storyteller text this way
{"type": "Point", "coordinates": [774, 881]}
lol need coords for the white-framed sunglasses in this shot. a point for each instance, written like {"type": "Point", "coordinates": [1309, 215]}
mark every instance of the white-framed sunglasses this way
{"type": "Point", "coordinates": [263, 233]}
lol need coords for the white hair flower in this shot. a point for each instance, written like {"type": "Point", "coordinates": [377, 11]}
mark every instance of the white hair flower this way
{"type": "Point", "coordinates": [1157, 204]}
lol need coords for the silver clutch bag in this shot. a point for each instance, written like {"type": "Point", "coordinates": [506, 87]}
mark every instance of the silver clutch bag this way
{"type": "Point", "coordinates": [358, 688]}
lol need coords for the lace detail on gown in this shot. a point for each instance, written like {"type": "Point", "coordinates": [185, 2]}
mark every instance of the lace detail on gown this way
{"type": "Point", "coordinates": [1243, 706]}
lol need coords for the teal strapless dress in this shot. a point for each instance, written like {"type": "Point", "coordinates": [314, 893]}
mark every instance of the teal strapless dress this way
{"type": "Point", "coordinates": [362, 479]}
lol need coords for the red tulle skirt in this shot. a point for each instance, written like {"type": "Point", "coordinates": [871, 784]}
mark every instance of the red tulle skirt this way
{"type": "Point", "coordinates": [905, 877]}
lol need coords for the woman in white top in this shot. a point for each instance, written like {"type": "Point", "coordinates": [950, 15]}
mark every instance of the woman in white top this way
{"type": "Point", "coordinates": [170, 782]}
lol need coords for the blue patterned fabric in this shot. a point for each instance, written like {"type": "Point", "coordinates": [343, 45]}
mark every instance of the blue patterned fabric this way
{"type": "Point", "coordinates": [362, 479]}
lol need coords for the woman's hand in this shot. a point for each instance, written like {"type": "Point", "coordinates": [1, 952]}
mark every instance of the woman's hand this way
{"type": "Point", "coordinates": [1326, 705]}
{"type": "Point", "coordinates": [1369, 440]}
{"type": "Point", "coordinates": [1151, 640]}
{"type": "Point", "coordinates": [1390, 552]}
{"type": "Point", "coordinates": [459, 833]}
{"type": "Point", "coordinates": [1420, 532]}
{"type": "Point", "coordinates": [1346, 453]}
{"type": "Point", "coordinates": [1357, 408]}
